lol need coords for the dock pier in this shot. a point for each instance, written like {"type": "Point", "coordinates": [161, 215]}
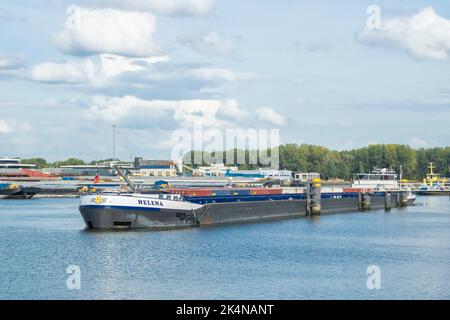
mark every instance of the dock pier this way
{"type": "Point", "coordinates": [387, 201]}
{"type": "Point", "coordinates": [402, 199]}
{"type": "Point", "coordinates": [364, 201]}
{"type": "Point", "coordinates": [313, 197]}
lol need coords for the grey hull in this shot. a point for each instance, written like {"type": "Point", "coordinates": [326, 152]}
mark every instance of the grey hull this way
{"type": "Point", "coordinates": [24, 193]}
{"type": "Point", "coordinates": [112, 218]}
{"type": "Point", "coordinates": [239, 212]}
{"type": "Point", "coordinates": [4, 193]}
{"type": "Point", "coordinates": [217, 213]}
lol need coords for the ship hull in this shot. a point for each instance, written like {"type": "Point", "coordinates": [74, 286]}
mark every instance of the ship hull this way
{"type": "Point", "coordinates": [188, 214]}
{"type": "Point", "coordinates": [6, 192]}
{"type": "Point", "coordinates": [129, 218]}
{"type": "Point", "coordinates": [135, 211]}
{"type": "Point", "coordinates": [19, 193]}
{"type": "Point", "coordinates": [23, 193]}
{"type": "Point", "coordinates": [434, 193]}
{"type": "Point", "coordinates": [96, 217]}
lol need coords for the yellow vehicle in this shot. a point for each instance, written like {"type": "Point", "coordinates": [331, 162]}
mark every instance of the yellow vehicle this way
{"type": "Point", "coordinates": [13, 186]}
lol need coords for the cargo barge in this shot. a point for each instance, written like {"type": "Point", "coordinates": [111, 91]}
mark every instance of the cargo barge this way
{"type": "Point", "coordinates": [179, 208]}
{"type": "Point", "coordinates": [175, 211]}
{"type": "Point", "coordinates": [13, 191]}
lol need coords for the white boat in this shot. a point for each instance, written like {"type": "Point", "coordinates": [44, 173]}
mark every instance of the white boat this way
{"type": "Point", "coordinates": [379, 179]}
{"type": "Point", "coordinates": [10, 165]}
{"type": "Point", "coordinates": [411, 197]}
{"type": "Point", "coordinates": [382, 180]}
{"type": "Point", "coordinates": [152, 210]}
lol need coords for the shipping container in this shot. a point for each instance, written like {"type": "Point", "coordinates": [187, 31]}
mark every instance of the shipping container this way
{"type": "Point", "coordinates": [263, 191]}
{"type": "Point", "coordinates": [223, 192]}
{"type": "Point", "coordinates": [356, 190]}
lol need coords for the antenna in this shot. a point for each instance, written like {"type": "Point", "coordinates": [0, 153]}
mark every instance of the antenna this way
{"type": "Point", "coordinates": [114, 125]}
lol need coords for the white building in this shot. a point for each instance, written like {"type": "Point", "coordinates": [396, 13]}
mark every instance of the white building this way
{"type": "Point", "coordinates": [305, 176]}
{"type": "Point", "coordinates": [10, 165]}
{"type": "Point", "coordinates": [155, 168]}
{"type": "Point", "coordinates": [277, 174]}
{"type": "Point", "coordinates": [214, 170]}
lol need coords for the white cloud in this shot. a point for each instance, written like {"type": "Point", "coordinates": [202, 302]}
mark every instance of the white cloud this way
{"type": "Point", "coordinates": [5, 127]}
{"type": "Point", "coordinates": [13, 126]}
{"type": "Point", "coordinates": [107, 70]}
{"type": "Point", "coordinates": [416, 142]}
{"type": "Point", "coordinates": [233, 112]}
{"type": "Point", "coordinates": [66, 72]}
{"type": "Point", "coordinates": [11, 61]}
{"type": "Point", "coordinates": [169, 7]}
{"type": "Point", "coordinates": [162, 113]}
{"type": "Point", "coordinates": [135, 113]}
{"type": "Point", "coordinates": [97, 72]}
{"type": "Point", "coordinates": [219, 74]}
{"type": "Point", "coordinates": [423, 35]}
{"type": "Point", "coordinates": [269, 115]}
{"type": "Point", "coordinates": [95, 31]}
{"type": "Point", "coordinates": [211, 44]}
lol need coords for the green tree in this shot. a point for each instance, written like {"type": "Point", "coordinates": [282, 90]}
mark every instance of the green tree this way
{"type": "Point", "coordinates": [69, 162]}
{"type": "Point", "coordinates": [39, 162]}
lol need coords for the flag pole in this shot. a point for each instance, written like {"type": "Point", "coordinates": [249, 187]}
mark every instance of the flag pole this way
{"type": "Point", "coordinates": [114, 140]}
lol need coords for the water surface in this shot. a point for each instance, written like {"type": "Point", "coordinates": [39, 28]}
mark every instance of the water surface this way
{"type": "Point", "coordinates": [320, 258]}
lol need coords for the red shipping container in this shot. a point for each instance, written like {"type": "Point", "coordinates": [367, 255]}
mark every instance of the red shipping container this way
{"type": "Point", "coordinates": [356, 190]}
{"type": "Point", "coordinates": [263, 191]}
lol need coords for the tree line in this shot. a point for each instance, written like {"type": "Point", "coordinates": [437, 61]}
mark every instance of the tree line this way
{"type": "Point", "coordinates": [42, 163]}
{"type": "Point", "coordinates": [311, 158]}
{"type": "Point", "coordinates": [343, 164]}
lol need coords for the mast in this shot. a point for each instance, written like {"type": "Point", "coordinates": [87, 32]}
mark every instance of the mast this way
{"type": "Point", "coordinates": [114, 125]}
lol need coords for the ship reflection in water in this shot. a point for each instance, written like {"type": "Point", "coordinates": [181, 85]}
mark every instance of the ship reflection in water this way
{"type": "Point", "coordinates": [320, 258]}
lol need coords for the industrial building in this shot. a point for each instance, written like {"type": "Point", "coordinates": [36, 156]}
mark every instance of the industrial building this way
{"type": "Point", "coordinates": [13, 166]}
{"type": "Point", "coordinates": [214, 170]}
{"type": "Point", "coordinates": [305, 176]}
{"type": "Point", "coordinates": [261, 174]}
{"type": "Point", "coordinates": [154, 168]}
{"type": "Point", "coordinates": [105, 170]}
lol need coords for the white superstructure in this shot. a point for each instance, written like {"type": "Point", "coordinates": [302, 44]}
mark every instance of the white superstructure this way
{"type": "Point", "coordinates": [378, 179]}
{"type": "Point", "coordinates": [13, 165]}
{"type": "Point", "coordinates": [277, 174]}
{"type": "Point", "coordinates": [305, 176]}
{"type": "Point", "coordinates": [165, 202]}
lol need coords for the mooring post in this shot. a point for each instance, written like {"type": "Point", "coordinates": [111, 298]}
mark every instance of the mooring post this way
{"type": "Point", "coordinates": [387, 201]}
{"type": "Point", "coordinates": [313, 201]}
{"type": "Point", "coordinates": [365, 201]}
{"type": "Point", "coordinates": [403, 199]}
{"type": "Point", "coordinates": [308, 199]}
{"type": "Point", "coordinates": [359, 201]}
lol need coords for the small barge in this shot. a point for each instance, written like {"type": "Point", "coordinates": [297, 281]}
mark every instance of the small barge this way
{"type": "Point", "coordinates": [13, 191]}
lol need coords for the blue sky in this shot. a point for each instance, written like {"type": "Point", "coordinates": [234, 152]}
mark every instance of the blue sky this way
{"type": "Point", "coordinates": [311, 69]}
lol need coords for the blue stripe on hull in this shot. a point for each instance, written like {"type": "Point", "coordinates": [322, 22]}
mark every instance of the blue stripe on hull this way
{"type": "Point", "coordinates": [271, 197]}
{"type": "Point", "coordinates": [119, 207]}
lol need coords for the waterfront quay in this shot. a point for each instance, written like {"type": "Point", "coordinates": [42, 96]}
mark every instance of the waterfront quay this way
{"type": "Point", "coordinates": [217, 204]}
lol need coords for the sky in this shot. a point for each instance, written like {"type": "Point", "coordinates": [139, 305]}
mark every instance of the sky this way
{"type": "Point", "coordinates": [322, 73]}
